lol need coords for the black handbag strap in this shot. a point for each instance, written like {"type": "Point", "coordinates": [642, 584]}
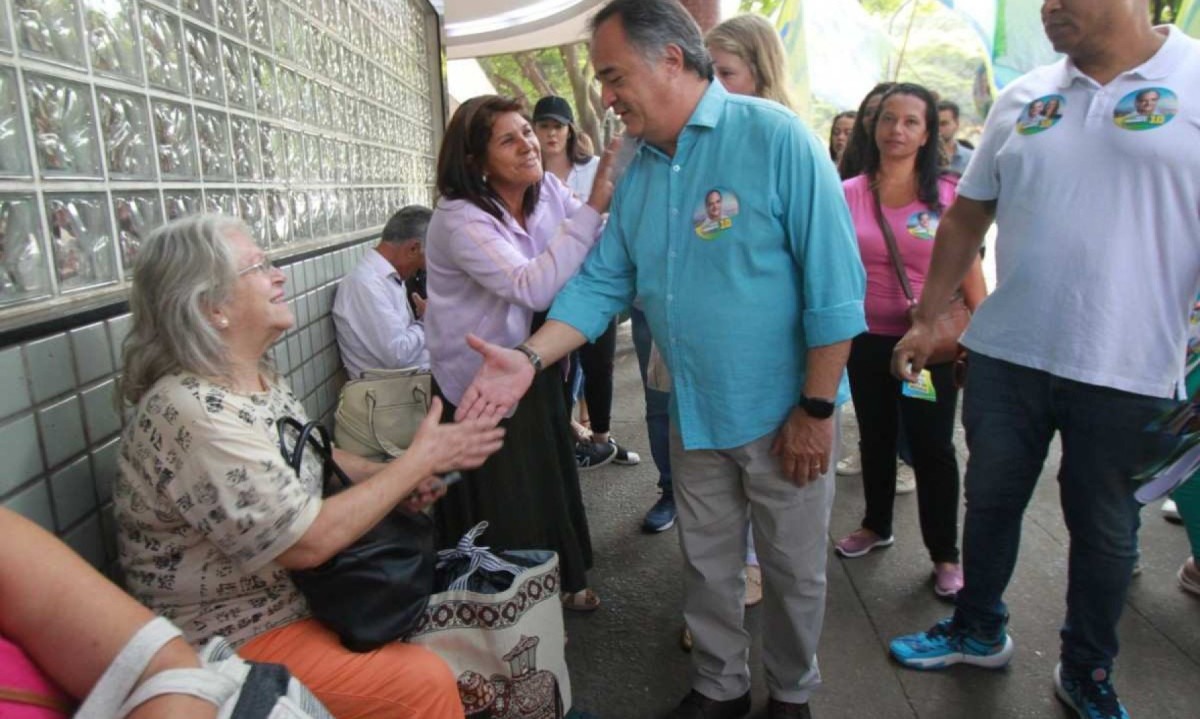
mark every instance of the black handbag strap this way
{"type": "Point", "coordinates": [893, 248]}
{"type": "Point", "coordinates": [313, 434]}
{"type": "Point", "coordinates": [265, 684]}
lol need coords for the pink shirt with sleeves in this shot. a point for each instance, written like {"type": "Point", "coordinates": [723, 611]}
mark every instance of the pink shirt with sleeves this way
{"type": "Point", "coordinates": [488, 276]}
{"type": "Point", "coordinates": [914, 226]}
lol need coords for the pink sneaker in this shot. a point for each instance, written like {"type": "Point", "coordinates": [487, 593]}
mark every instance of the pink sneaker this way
{"type": "Point", "coordinates": [861, 541]}
{"type": "Point", "coordinates": [947, 579]}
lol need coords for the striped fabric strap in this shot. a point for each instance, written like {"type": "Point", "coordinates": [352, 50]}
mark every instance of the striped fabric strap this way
{"type": "Point", "coordinates": [13, 695]}
{"type": "Point", "coordinates": [480, 558]}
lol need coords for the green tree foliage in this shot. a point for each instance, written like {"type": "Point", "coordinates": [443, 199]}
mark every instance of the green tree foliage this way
{"type": "Point", "coordinates": [942, 54]}
{"type": "Point", "coordinates": [882, 7]}
{"type": "Point", "coordinates": [766, 8]}
{"type": "Point", "coordinates": [1164, 11]}
{"type": "Point", "coordinates": [564, 71]}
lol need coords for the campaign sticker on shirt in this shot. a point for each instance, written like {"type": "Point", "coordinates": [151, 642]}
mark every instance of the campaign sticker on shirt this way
{"type": "Point", "coordinates": [923, 224]}
{"type": "Point", "coordinates": [1146, 109]}
{"type": "Point", "coordinates": [715, 214]}
{"type": "Point", "coordinates": [1041, 114]}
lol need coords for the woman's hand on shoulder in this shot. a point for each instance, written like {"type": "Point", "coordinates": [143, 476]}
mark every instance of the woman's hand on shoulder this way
{"type": "Point", "coordinates": [458, 445]}
{"type": "Point", "coordinates": [602, 188]}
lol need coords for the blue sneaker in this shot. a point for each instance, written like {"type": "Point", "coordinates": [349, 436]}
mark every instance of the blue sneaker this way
{"type": "Point", "coordinates": [1091, 697]}
{"type": "Point", "coordinates": [947, 643]}
{"type": "Point", "coordinates": [589, 455]}
{"type": "Point", "coordinates": [661, 516]}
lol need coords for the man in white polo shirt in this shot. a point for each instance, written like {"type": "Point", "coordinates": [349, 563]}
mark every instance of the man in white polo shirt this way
{"type": "Point", "coordinates": [1098, 259]}
{"type": "Point", "coordinates": [376, 326]}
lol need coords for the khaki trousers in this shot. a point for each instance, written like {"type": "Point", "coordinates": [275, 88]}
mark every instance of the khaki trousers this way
{"type": "Point", "coordinates": [716, 492]}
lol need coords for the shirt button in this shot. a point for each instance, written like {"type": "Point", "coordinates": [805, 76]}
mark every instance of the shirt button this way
{"type": "Point", "coordinates": [670, 298]}
{"type": "Point", "coordinates": [677, 168]}
{"type": "Point", "coordinates": [673, 253]}
{"type": "Point", "coordinates": [674, 211]}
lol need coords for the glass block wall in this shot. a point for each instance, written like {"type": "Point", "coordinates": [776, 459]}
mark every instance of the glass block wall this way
{"type": "Point", "coordinates": [310, 119]}
{"type": "Point", "coordinates": [313, 120]}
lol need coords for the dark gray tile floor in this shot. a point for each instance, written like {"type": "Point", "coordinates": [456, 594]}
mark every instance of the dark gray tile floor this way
{"type": "Point", "coordinates": [626, 664]}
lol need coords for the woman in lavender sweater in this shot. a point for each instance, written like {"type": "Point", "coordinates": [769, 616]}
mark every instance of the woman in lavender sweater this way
{"type": "Point", "coordinates": [504, 239]}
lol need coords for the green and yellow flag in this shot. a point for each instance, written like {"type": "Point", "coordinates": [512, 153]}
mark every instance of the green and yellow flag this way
{"type": "Point", "coordinates": [1189, 17]}
{"type": "Point", "coordinates": [791, 30]}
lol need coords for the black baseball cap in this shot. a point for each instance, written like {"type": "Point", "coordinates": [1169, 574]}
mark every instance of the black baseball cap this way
{"type": "Point", "coordinates": [553, 107]}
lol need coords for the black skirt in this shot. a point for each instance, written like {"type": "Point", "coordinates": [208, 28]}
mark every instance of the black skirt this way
{"type": "Point", "coordinates": [528, 491]}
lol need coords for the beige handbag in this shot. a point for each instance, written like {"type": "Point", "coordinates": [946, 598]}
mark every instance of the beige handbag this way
{"type": "Point", "coordinates": [378, 414]}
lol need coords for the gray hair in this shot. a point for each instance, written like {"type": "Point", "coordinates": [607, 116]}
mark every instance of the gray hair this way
{"type": "Point", "coordinates": [183, 270]}
{"type": "Point", "coordinates": [410, 223]}
{"type": "Point", "coordinates": [651, 25]}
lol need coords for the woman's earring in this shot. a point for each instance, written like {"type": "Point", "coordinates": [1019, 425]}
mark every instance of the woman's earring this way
{"type": "Point", "coordinates": [223, 322]}
{"type": "Point", "coordinates": [484, 178]}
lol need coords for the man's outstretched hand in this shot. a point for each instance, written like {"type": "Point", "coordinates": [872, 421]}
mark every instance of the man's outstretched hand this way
{"type": "Point", "coordinates": [498, 385]}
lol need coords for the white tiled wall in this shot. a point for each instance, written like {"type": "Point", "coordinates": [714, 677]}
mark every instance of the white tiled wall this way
{"type": "Point", "coordinates": [60, 425]}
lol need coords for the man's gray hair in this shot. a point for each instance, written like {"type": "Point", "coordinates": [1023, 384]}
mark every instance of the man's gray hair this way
{"type": "Point", "coordinates": [410, 223]}
{"type": "Point", "coordinates": [183, 271]}
{"type": "Point", "coordinates": [651, 25]}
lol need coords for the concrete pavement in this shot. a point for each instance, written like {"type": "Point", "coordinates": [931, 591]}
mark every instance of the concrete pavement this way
{"type": "Point", "coordinates": [626, 663]}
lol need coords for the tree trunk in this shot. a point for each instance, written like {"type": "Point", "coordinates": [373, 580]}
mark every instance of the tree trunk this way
{"type": "Point", "coordinates": [585, 112]}
{"type": "Point", "coordinates": [529, 68]}
{"type": "Point", "coordinates": [502, 84]}
{"type": "Point", "coordinates": [603, 119]}
{"type": "Point", "coordinates": [706, 12]}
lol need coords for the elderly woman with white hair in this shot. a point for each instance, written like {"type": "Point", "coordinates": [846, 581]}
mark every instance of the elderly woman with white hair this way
{"type": "Point", "coordinates": [211, 519]}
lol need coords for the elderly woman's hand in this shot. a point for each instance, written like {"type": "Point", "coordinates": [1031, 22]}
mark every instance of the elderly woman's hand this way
{"type": "Point", "coordinates": [430, 490]}
{"type": "Point", "coordinates": [461, 445]}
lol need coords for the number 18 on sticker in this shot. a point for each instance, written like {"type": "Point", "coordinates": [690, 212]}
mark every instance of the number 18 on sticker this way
{"type": "Point", "coordinates": [922, 388]}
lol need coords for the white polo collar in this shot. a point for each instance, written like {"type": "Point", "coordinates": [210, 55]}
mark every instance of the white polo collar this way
{"type": "Point", "coordinates": [1160, 65]}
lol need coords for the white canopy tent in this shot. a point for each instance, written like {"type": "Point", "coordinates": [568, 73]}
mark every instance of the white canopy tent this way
{"type": "Point", "coordinates": [476, 28]}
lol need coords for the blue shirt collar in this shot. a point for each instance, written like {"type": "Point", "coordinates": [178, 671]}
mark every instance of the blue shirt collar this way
{"type": "Point", "coordinates": [707, 114]}
{"type": "Point", "coordinates": [712, 104]}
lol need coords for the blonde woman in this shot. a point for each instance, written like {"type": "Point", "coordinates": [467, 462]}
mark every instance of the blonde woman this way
{"type": "Point", "coordinates": [749, 59]}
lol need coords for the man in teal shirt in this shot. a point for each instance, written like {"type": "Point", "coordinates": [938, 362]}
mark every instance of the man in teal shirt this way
{"type": "Point", "coordinates": [753, 301]}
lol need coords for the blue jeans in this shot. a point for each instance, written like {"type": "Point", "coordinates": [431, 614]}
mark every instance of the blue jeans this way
{"type": "Point", "coordinates": [658, 416]}
{"type": "Point", "coordinates": [1010, 414]}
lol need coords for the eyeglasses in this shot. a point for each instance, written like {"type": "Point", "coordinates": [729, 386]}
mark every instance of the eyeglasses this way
{"type": "Point", "coordinates": [264, 267]}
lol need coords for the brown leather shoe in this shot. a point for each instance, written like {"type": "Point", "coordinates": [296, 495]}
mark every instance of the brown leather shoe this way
{"type": "Point", "coordinates": [787, 710]}
{"type": "Point", "coordinates": [697, 706]}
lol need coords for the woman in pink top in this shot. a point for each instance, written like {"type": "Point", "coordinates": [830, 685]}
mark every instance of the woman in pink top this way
{"type": "Point", "coordinates": [504, 239]}
{"type": "Point", "coordinates": [901, 168]}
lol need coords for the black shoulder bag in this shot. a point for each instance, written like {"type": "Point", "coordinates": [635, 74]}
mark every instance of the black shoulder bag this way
{"type": "Point", "coordinates": [375, 590]}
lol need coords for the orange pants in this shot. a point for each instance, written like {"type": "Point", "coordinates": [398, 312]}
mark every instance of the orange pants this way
{"type": "Point", "coordinates": [396, 680]}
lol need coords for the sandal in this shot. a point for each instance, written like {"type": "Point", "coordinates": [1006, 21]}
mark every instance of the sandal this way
{"type": "Point", "coordinates": [582, 432]}
{"type": "Point", "coordinates": [585, 600]}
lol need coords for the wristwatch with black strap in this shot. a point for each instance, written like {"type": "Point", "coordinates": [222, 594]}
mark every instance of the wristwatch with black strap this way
{"type": "Point", "coordinates": [535, 359]}
{"type": "Point", "coordinates": [816, 407]}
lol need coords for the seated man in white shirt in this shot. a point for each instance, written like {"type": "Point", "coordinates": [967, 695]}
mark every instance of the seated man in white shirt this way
{"type": "Point", "coordinates": [376, 327]}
